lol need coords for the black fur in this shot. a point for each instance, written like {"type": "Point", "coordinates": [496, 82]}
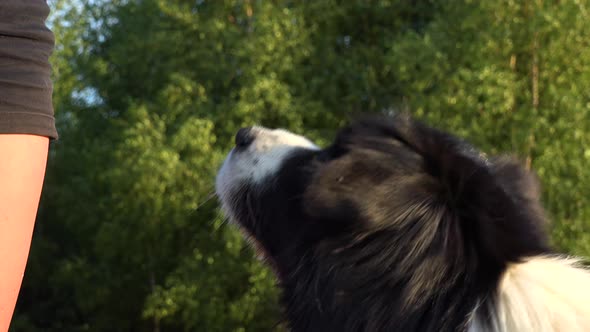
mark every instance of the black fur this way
{"type": "Point", "coordinates": [394, 227]}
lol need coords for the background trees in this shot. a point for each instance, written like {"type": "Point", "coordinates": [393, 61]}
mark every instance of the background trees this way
{"type": "Point", "coordinates": [149, 93]}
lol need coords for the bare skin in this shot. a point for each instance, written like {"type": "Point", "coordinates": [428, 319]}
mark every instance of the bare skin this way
{"type": "Point", "coordinates": [22, 170]}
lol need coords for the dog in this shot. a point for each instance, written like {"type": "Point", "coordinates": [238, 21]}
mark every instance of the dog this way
{"type": "Point", "coordinates": [398, 226]}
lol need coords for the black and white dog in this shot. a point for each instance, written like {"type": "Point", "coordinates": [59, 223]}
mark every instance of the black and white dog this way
{"type": "Point", "coordinates": [397, 226]}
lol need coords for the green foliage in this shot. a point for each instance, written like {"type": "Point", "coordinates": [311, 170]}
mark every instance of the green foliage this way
{"type": "Point", "coordinates": [149, 93]}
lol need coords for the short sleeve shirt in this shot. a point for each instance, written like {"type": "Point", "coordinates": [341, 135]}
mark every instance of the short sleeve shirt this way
{"type": "Point", "coordinates": [25, 73]}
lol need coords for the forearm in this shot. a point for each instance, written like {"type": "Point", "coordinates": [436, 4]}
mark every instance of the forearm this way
{"type": "Point", "coordinates": [22, 169]}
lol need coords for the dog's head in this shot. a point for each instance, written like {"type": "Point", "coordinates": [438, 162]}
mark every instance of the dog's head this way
{"type": "Point", "coordinates": [422, 192]}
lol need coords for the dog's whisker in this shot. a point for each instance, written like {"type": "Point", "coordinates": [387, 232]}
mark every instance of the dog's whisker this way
{"type": "Point", "coordinates": [208, 198]}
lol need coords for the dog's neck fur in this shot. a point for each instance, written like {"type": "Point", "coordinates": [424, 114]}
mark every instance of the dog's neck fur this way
{"type": "Point", "coordinates": [356, 287]}
{"type": "Point", "coordinates": [542, 293]}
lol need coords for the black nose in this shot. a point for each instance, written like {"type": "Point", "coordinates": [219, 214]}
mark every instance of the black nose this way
{"type": "Point", "coordinates": [244, 137]}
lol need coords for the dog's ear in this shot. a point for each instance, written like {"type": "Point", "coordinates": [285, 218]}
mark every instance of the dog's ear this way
{"type": "Point", "coordinates": [523, 185]}
{"type": "Point", "coordinates": [495, 202]}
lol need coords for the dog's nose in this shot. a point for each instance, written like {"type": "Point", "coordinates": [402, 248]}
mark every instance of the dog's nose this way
{"type": "Point", "coordinates": [244, 137]}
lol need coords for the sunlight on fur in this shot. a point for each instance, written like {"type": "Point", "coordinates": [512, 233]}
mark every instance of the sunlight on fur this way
{"type": "Point", "coordinates": [544, 294]}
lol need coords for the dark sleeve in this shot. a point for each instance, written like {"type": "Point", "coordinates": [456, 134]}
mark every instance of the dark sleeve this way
{"type": "Point", "coordinates": [25, 73]}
